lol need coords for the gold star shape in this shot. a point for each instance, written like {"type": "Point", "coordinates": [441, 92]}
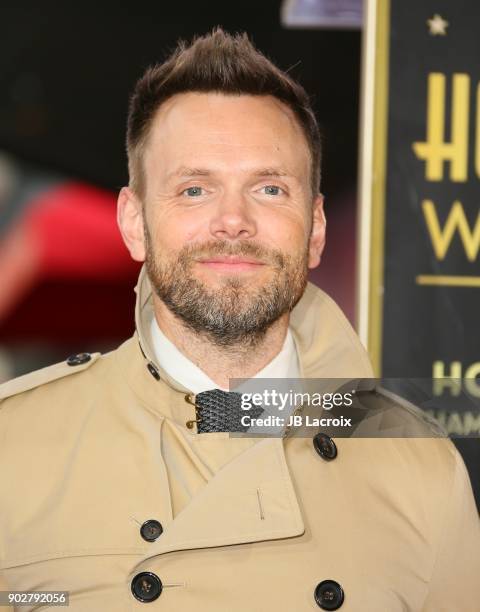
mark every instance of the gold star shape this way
{"type": "Point", "coordinates": [438, 26]}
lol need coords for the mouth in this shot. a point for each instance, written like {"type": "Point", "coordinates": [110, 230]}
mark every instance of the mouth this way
{"type": "Point", "coordinates": [231, 264]}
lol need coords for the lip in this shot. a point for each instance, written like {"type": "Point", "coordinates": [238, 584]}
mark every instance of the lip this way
{"type": "Point", "coordinates": [231, 264]}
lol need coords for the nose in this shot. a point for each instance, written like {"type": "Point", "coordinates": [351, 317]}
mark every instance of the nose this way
{"type": "Point", "coordinates": [233, 218]}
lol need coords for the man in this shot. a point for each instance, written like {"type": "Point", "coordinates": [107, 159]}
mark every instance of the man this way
{"type": "Point", "coordinates": [120, 482]}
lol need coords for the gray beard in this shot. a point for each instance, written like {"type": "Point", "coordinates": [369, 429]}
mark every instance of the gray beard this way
{"type": "Point", "coordinates": [236, 314]}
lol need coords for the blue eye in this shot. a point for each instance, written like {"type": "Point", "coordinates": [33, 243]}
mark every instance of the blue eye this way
{"type": "Point", "coordinates": [272, 190]}
{"type": "Point", "coordinates": [193, 191]}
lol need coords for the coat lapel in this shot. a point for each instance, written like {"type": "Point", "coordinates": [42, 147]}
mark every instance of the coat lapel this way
{"type": "Point", "coordinates": [251, 499]}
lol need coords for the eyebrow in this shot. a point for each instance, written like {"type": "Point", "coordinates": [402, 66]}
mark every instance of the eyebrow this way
{"type": "Point", "coordinates": [272, 171]}
{"type": "Point", "coordinates": [185, 171]}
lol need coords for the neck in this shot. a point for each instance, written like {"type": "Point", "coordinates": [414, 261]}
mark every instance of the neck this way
{"type": "Point", "coordinates": [221, 363]}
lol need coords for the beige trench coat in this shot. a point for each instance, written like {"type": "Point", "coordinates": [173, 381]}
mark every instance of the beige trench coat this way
{"type": "Point", "coordinates": [89, 452]}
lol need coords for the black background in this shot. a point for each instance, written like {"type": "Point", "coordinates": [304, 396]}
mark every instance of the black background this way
{"type": "Point", "coordinates": [424, 324]}
{"type": "Point", "coordinates": [66, 69]}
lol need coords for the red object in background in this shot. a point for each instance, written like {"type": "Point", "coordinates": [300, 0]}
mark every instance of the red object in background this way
{"type": "Point", "coordinates": [65, 270]}
{"type": "Point", "coordinates": [76, 230]}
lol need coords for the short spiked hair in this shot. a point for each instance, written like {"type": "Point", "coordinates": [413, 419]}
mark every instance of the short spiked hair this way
{"type": "Point", "coordinates": [218, 62]}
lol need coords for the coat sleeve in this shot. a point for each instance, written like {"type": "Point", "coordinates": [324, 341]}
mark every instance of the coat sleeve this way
{"type": "Point", "coordinates": [455, 580]}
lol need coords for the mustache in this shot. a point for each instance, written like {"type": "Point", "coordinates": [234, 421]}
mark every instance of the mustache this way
{"type": "Point", "coordinates": [255, 250]}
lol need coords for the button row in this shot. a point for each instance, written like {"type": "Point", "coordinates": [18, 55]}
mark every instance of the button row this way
{"type": "Point", "coordinates": [147, 587]}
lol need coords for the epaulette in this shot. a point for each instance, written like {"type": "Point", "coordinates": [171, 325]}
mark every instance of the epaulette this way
{"type": "Point", "coordinates": [72, 365]}
{"type": "Point", "coordinates": [397, 411]}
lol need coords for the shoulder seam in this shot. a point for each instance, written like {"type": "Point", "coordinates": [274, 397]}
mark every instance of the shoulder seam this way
{"type": "Point", "coordinates": [37, 378]}
{"type": "Point", "coordinates": [415, 411]}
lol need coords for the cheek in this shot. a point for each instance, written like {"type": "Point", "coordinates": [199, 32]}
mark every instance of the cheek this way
{"type": "Point", "coordinates": [288, 233]}
{"type": "Point", "coordinates": [176, 230]}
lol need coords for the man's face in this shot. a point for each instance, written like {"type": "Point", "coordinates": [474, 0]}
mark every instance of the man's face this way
{"type": "Point", "coordinates": [229, 225]}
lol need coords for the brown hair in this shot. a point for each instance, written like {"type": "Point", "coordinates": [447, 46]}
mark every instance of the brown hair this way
{"type": "Point", "coordinates": [217, 62]}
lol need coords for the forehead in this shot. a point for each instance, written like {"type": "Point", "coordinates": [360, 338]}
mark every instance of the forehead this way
{"type": "Point", "coordinates": [225, 133]}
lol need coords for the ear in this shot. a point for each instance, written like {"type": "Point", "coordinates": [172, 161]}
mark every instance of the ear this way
{"type": "Point", "coordinates": [317, 236]}
{"type": "Point", "coordinates": [130, 222]}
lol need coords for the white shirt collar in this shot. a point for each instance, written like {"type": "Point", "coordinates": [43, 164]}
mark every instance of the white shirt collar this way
{"type": "Point", "coordinates": [180, 368]}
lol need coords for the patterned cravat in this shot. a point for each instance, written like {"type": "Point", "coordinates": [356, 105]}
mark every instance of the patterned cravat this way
{"type": "Point", "coordinates": [219, 410]}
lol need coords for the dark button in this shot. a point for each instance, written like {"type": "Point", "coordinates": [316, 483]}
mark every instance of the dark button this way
{"type": "Point", "coordinates": [147, 587]}
{"type": "Point", "coordinates": [150, 530]}
{"type": "Point", "coordinates": [153, 370]}
{"type": "Point", "coordinates": [75, 360]}
{"type": "Point", "coordinates": [325, 446]}
{"type": "Point", "coordinates": [329, 595]}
